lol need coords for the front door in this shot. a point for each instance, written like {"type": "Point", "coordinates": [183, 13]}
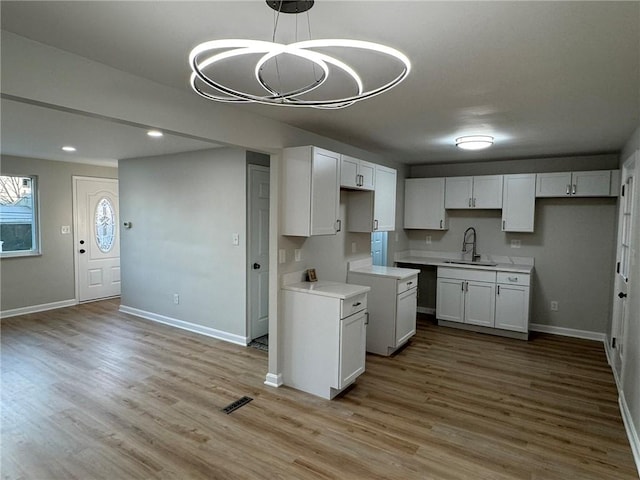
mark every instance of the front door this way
{"type": "Point", "coordinates": [624, 251]}
{"type": "Point", "coordinates": [258, 254]}
{"type": "Point", "coordinates": [96, 238]}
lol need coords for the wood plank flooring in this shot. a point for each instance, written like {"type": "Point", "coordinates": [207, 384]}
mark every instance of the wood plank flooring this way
{"type": "Point", "coordinates": [91, 393]}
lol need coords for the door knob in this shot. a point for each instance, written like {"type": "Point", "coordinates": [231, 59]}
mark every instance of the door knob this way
{"type": "Point", "coordinates": [82, 250]}
{"type": "Point", "coordinates": [256, 266]}
{"type": "Point", "coordinates": [622, 295]}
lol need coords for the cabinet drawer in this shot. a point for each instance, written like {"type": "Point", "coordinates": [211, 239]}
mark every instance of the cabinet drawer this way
{"type": "Point", "coordinates": [354, 304]}
{"type": "Point", "coordinates": [467, 274]}
{"type": "Point", "coordinates": [514, 278]}
{"type": "Point", "coordinates": [407, 283]}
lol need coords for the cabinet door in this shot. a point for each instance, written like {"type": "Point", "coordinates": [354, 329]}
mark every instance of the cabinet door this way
{"type": "Point", "coordinates": [512, 308]}
{"type": "Point", "coordinates": [479, 303]}
{"type": "Point", "coordinates": [406, 306]}
{"type": "Point", "coordinates": [325, 192]}
{"type": "Point", "coordinates": [367, 174]}
{"type": "Point", "coordinates": [384, 210]}
{"type": "Point", "coordinates": [557, 184]}
{"type": "Point", "coordinates": [591, 184]}
{"type": "Point", "coordinates": [450, 300]}
{"type": "Point", "coordinates": [348, 171]}
{"type": "Point", "coordinates": [353, 344]}
{"type": "Point", "coordinates": [458, 192]}
{"type": "Point", "coordinates": [487, 191]}
{"type": "Point", "coordinates": [519, 202]}
{"type": "Point", "coordinates": [424, 204]}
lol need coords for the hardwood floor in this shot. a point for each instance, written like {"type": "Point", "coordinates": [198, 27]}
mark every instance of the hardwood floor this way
{"type": "Point", "coordinates": [91, 393]}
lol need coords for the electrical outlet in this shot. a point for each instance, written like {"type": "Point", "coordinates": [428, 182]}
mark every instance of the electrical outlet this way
{"type": "Point", "coordinates": [297, 254]}
{"type": "Point", "coordinates": [515, 243]}
{"type": "Point", "coordinates": [282, 255]}
{"type": "Point", "coordinates": [65, 229]}
{"type": "Point", "coordinates": [236, 239]}
{"type": "Point", "coordinates": [554, 306]}
{"type": "Point", "coordinates": [176, 299]}
{"type": "Point", "coordinates": [428, 239]}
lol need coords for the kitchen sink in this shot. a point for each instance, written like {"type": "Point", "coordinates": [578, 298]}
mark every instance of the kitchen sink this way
{"type": "Point", "coordinates": [469, 262]}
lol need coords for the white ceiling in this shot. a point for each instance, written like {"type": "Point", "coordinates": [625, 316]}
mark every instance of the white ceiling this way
{"type": "Point", "coordinates": [544, 78]}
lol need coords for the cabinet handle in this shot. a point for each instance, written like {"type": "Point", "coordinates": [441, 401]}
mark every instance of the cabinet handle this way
{"type": "Point", "coordinates": [469, 202]}
{"type": "Point", "coordinates": [339, 228]}
{"type": "Point", "coordinates": [568, 189]}
{"type": "Point", "coordinates": [498, 289]}
{"type": "Point", "coordinates": [466, 286]}
{"type": "Point", "coordinates": [375, 224]}
{"type": "Point", "coordinates": [366, 315]}
{"type": "Point", "coordinates": [357, 304]}
{"type": "Point", "coordinates": [440, 223]}
{"type": "Point", "coordinates": [474, 202]}
{"type": "Point", "coordinates": [513, 279]}
{"type": "Point", "coordinates": [409, 283]}
{"type": "Point", "coordinates": [462, 285]}
{"type": "Point", "coordinates": [504, 224]}
{"type": "Point", "coordinates": [573, 189]}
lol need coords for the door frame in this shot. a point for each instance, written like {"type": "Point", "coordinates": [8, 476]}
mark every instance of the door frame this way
{"type": "Point", "coordinates": [250, 168]}
{"type": "Point", "coordinates": [76, 239]}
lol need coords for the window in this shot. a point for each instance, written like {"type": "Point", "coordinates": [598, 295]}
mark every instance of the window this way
{"type": "Point", "coordinates": [18, 216]}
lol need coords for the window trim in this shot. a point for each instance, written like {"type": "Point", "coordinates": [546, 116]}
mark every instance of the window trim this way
{"type": "Point", "coordinates": [36, 251]}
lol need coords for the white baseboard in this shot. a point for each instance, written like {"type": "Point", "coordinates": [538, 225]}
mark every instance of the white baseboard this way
{"type": "Point", "coordinates": [567, 332]}
{"type": "Point", "coordinates": [273, 380]}
{"type": "Point", "coordinates": [427, 310]}
{"type": "Point", "coordinates": [38, 308]}
{"type": "Point", "coordinates": [632, 433]}
{"type": "Point", "coordinates": [191, 327]}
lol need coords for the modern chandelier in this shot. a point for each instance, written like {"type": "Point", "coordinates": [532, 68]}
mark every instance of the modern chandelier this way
{"type": "Point", "coordinates": [208, 60]}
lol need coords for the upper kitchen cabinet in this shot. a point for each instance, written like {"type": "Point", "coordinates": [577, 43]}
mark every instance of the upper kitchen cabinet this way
{"type": "Point", "coordinates": [595, 183]}
{"type": "Point", "coordinates": [483, 191]}
{"type": "Point", "coordinates": [356, 173]}
{"type": "Point", "coordinates": [519, 202]}
{"type": "Point", "coordinates": [374, 211]}
{"type": "Point", "coordinates": [424, 204]}
{"type": "Point", "coordinates": [310, 191]}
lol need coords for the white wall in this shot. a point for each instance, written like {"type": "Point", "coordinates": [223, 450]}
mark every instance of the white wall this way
{"type": "Point", "coordinates": [31, 283]}
{"type": "Point", "coordinates": [184, 209]}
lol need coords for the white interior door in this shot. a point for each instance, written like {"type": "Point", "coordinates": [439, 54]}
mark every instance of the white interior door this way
{"type": "Point", "coordinates": [96, 238]}
{"type": "Point", "coordinates": [625, 250]}
{"type": "Point", "coordinates": [379, 248]}
{"type": "Point", "coordinates": [258, 255]}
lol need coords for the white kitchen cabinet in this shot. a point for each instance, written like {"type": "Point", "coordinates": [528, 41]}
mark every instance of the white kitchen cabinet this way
{"type": "Point", "coordinates": [324, 336]}
{"type": "Point", "coordinates": [424, 204]}
{"type": "Point", "coordinates": [392, 305]}
{"type": "Point", "coordinates": [466, 296]}
{"type": "Point", "coordinates": [483, 191]}
{"type": "Point", "coordinates": [513, 301]}
{"type": "Point", "coordinates": [356, 173]}
{"type": "Point", "coordinates": [310, 191]}
{"type": "Point", "coordinates": [374, 211]}
{"type": "Point", "coordinates": [518, 202]}
{"type": "Point", "coordinates": [596, 183]}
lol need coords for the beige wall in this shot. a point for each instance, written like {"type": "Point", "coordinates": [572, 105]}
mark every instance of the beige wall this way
{"type": "Point", "coordinates": [50, 277]}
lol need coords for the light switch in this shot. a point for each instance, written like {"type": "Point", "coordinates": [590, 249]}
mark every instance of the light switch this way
{"type": "Point", "coordinates": [282, 255]}
{"type": "Point", "coordinates": [515, 243]}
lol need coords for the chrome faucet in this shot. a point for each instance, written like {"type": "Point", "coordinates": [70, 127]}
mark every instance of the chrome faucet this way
{"type": "Point", "coordinates": [474, 254]}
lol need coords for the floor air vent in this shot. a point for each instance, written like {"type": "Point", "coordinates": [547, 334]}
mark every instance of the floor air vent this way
{"type": "Point", "coordinates": [236, 405]}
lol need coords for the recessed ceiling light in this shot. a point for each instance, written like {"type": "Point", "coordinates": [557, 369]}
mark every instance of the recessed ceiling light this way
{"type": "Point", "coordinates": [154, 133]}
{"type": "Point", "coordinates": [474, 142]}
{"type": "Point", "coordinates": [69, 148]}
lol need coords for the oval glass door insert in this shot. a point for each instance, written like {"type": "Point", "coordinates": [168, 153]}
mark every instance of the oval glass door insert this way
{"type": "Point", "coordinates": [105, 222]}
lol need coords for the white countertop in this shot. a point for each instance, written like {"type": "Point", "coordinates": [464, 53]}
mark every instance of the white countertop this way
{"type": "Point", "coordinates": [390, 272]}
{"type": "Point", "coordinates": [328, 289]}
{"type": "Point", "coordinates": [441, 261]}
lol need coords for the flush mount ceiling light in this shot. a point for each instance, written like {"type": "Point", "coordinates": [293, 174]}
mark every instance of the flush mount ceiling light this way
{"type": "Point", "coordinates": [155, 133]}
{"type": "Point", "coordinates": [206, 61]}
{"type": "Point", "coordinates": [474, 142]}
{"type": "Point", "coordinates": [69, 148]}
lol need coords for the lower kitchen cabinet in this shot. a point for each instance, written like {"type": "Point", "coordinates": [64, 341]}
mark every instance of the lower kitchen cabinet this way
{"type": "Point", "coordinates": [324, 336]}
{"type": "Point", "coordinates": [392, 304]}
{"type": "Point", "coordinates": [513, 301]}
{"type": "Point", "coordinates": [466, 296]}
